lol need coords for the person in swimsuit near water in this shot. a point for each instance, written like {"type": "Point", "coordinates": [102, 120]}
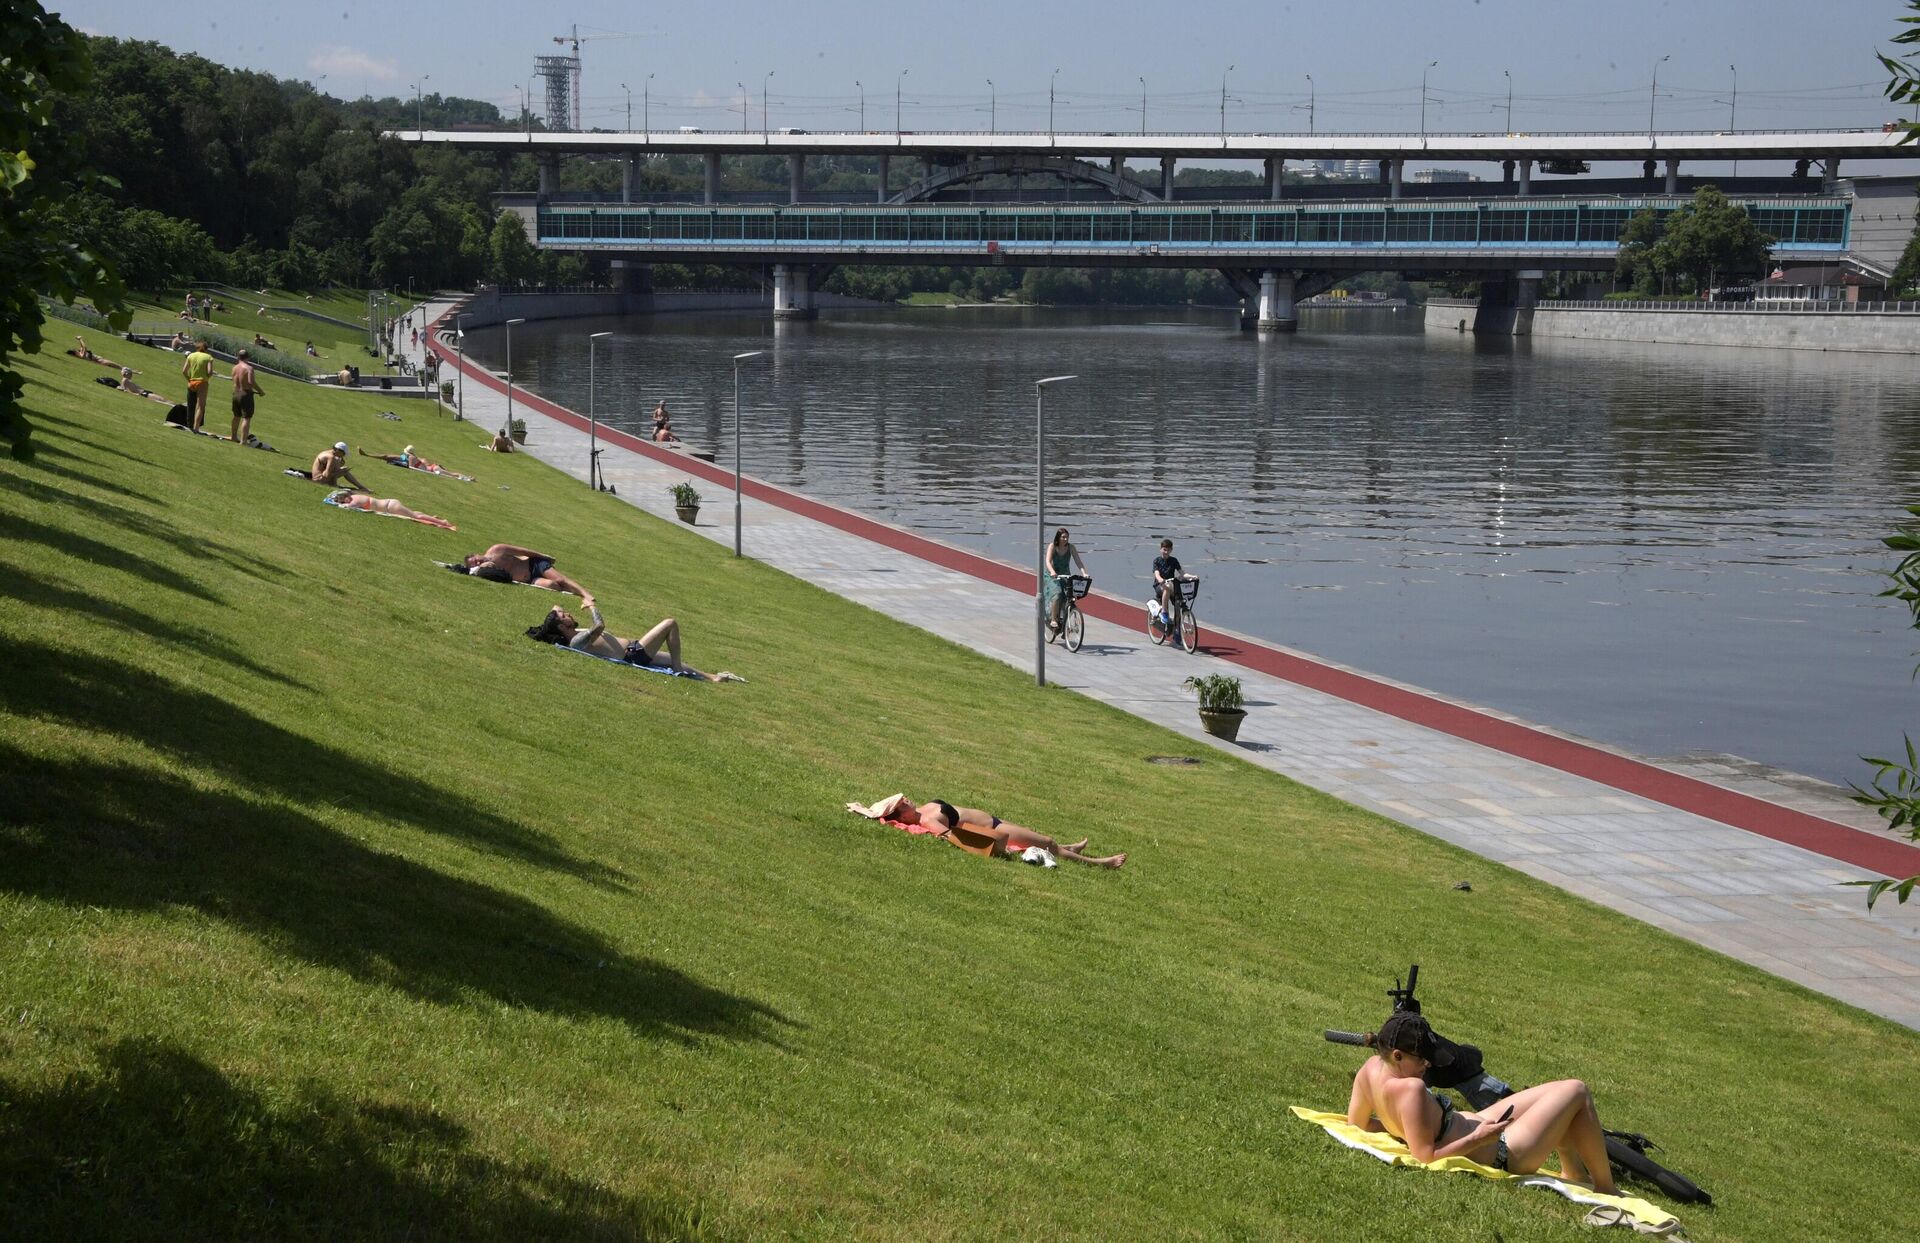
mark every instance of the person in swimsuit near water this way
{"type": "Point", "coordinates": [562, 629]}
{"type": "Point", "coordinates": [1515, 1134]}
{"type": "Point", "coordinates": [508, 563]}
{"type": "Point", "coordinates": [1007, 838]}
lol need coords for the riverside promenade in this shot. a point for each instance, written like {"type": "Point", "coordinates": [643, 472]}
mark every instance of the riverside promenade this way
{"type": "Point", "coordinates": [1744, 864]}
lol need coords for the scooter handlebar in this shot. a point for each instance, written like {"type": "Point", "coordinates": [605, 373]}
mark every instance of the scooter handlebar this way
{"type": "Point", "coordinates": [1352, 1038]}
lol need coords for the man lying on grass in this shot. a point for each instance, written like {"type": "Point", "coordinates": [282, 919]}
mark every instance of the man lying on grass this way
{"type": "Point", "coordinates": [509, 563]}
{"type": "Point", "coordinates": [412, 461]}
{"type": "Point", "coordinates": [562, 629]}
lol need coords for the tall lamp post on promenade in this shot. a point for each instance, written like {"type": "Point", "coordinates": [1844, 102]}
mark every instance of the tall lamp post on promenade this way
{"type": "Point", "coordinates": [460, 371]}
{"type": "Point", "coordinates": [593, 422]}
{"type": "Point", "coordinates": [737, 360]}
{"type": "Point", "coordinates": [1040, 524]}
{"type": "Point", "coordinates": [508, 429]}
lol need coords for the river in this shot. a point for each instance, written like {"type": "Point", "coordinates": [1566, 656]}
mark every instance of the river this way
{"type": "Point", "coordinates": [1670, 549]}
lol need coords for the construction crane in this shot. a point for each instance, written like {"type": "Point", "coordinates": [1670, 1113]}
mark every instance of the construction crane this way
{"type": "Point", "coordinates": [563, 78]}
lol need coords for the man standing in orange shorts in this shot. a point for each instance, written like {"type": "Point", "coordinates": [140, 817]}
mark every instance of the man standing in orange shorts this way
{"type": "Point", "coordinates": [198, 368]}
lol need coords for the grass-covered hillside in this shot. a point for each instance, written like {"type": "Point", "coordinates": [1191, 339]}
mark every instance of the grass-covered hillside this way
{"type": "Point", "coordinates": [331, 906]}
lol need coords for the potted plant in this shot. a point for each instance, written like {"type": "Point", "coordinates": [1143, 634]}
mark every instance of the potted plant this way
{"type": "Point", "coordinates": [1220, 710]}
{"type": "Point", "coordinates": [446, 392]}
{"type": "Point", "coordinates": [517, 428]}
{"type": "Point", "coordinates": [686, 502]}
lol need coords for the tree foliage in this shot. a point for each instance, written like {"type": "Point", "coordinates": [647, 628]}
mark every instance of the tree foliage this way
{"type": "Point", "coordinates": [39, 169]}
{"type": "Point", "coordinates": [1710, 238]}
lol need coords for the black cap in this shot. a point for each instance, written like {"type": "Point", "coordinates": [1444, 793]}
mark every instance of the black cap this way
{"type": "Point", "coordinates": [1409, 1033]}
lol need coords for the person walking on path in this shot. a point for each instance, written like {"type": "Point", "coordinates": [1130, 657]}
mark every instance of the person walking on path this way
{"type": "Point", "coordinates": [245, 387]}
{"type": "Point", "coordinates": [198, 368]}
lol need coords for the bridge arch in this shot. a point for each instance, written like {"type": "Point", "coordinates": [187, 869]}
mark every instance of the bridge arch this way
{"type": "Point", "coordinates": [1064, 167]}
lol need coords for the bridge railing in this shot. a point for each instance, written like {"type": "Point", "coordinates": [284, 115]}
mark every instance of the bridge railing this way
{"type": "Point", "coordinates": [1834, 306]}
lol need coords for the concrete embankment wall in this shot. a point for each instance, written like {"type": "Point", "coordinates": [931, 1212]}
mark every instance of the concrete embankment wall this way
{"type": "Point", "coordinates": [1865, 332]}
{"type": "Point", "coordinates": [490, 306]}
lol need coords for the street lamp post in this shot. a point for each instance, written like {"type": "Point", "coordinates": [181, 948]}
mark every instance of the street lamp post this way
{"type": "Point", "coordinates": [1040, 524]}
{"type": "Point", "coordinates": [1223, 106]}
{"type": "Point", "coordinates": [764, 83]}
{"type": "Point", "coordinates": [1509, 76]}
{"type": "Point", "coordinates": [1050, 82]}
{"type": "Point", "coordinates": [861, 87]}
{"type": "Point", "coordinates": [508, 429]}
{"type": "Point", "coordinates": [1733, 109]}
{"type": "Point", "coordinates": [745, 107]}
{"type": "Point", "coordinates": [1654, 93]}
{"type": "Point", "coordinates": [1423, 98]}
{"type": "Point", "coordinates": [1311, 100]}
{"type": "Point", "coordinates": [1143, 107]}
{"type": "Point", "coordinates": [629, 91]}
{"type": "Point", "coordinates": [526, 109]}
{"type": "Point", "coordinates": [646, 110]}
{"type": "Point", "coordinates": [896, 101]}
{"type": "Point", "coordinates": [593, 423]}
{"type": "Point", "coordinates": [419, 107]}
{"type": "Point", "coordinates": [737, 360]}
{"type": "Point", "coordinates": [460, 371]}
{"type": "Point", "coordinates": [993, 108]}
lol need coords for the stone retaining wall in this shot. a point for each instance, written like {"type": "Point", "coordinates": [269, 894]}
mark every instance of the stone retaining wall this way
{"type": "Point", "coordinates": [1866, 332]}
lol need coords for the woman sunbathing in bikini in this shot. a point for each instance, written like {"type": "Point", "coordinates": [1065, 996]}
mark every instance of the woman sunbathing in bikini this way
{"type": "Point", "coordinates": [412, 461]}
{"type": "Point", "coordinates": [347, 498]}
{"type": "Point", "coordinates": [971, 828]}
{"type": "Point", "coordinates": [1516, 1134]}
{"type": "Point", "coordinates": [562, 629]}
{"type": "Point", "coordinates": [507, 563]}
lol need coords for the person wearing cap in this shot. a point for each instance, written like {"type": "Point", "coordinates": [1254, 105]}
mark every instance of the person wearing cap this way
{"type": "Point", "coordinates": [409, 459]}
{"type": "Point", "coordinates": [330, 467]}
{"type": "Point", "coordinates": [1515, 1134]}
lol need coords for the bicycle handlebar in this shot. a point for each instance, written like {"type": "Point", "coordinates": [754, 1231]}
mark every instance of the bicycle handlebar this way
{"type": "Point", "coordinates": [1352, 1038]}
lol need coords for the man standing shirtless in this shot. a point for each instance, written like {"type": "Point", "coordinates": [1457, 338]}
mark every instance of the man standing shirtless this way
{"type": "Point", "coordinates": [244, 388]}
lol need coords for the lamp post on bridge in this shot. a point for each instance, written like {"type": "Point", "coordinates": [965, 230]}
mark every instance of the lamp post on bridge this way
{"type": "Point", "coordinates": [646, 110]}
{"type": "Point", "coordinates": [1312, 98]}
{"type": "Point", "coordinates": [1223, 106]}
{"type": "Point", "coordinates": [1654, 93]}
{"type": "Point", "coordinates": [737, 360]}
{"type": "Point", "coordinates": [1423, 100]}
{"type": "Point", "coordinates": [420, 108]}
{"type": "Point", "coordinates": [1143, 107]}
{"type": "Point", "coordinates": [629, 91]}
{"type": "Point", "coordinates": [1040, 524]}
{"type": "Point", "coordinates": [863, 105]}
{"type": "Point", "coordinates": [1509, 76]}
{"type": "Point", "coordinates": [764, 83]}
{"type": "Point", "coordinates": [1050, 81]}
{"type": "Point", "coordinates": [1732, 102]}
{"type": "Point", "coordinates": [896, 102]}
{"type": "Point", "coordinates": [745, 106]}
{"type": "Point", "coordinates": [526, 109]}
{"type": "Point", "coordinates": [993, 108]}
{"type": "Point", "coordinates": [593, 422]}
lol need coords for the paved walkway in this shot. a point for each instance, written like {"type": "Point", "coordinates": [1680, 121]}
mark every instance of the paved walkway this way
{"type": "Point", "coordinates": [1736, 861]}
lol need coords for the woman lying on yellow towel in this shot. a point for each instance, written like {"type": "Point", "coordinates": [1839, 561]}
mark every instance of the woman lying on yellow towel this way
{"type": "Point", "coordinates": [1514, 1135]}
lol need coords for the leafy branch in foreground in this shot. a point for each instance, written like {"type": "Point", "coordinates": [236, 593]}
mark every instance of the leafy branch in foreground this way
{"type": "Point", "coordinates": [1895, 792]}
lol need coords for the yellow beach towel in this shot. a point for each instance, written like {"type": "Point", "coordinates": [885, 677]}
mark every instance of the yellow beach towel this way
{"type": "Point", "coordinates": [1386, 1148]}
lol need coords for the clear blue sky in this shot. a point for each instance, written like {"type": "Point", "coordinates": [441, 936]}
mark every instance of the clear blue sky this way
{"type": "Point", "coordinates": [1575, 64]}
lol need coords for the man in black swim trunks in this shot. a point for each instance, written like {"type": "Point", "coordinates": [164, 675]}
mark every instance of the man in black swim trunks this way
{"type": "Point", "coordinates": [522, 565]}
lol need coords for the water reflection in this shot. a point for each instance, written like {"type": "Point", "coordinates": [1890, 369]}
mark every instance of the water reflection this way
{"type": "Point", "coordinates": [1666, 548]}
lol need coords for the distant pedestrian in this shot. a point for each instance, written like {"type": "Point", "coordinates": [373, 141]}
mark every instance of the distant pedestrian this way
{"type": "Point", "coordinates": [245, 386]}
{"type": "Point", "coordinates": [198, 368]}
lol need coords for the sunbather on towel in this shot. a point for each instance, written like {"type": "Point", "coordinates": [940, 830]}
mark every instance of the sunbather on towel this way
{"type": "Point", "coordinates": [561, 628]}
{"type": "Point", "coordinates": [347, 498]}
{"type": "Point", "coordinates": [508, 563]}
{"type": "Point", "coordinates": [1514, 1135]}
{"type": "Point", "coordinates": [409, 459]}
{"type": "Point", "coordinates": [941, 817]}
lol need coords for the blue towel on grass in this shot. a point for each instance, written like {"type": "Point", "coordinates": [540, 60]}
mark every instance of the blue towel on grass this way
{"type": "Point", "coordinates": [677, 673]}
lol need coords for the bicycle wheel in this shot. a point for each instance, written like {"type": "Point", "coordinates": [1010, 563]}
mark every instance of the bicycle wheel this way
{"type": "Point", "coordinates": [1156, 630]}
{"type": "Point", "coordinates": [1075, 630]}
{"type": "Point", "coordinates": [1189, 630]}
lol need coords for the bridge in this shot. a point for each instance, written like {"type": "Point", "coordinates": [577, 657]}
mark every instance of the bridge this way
{"type": "Point", "coordinates": [1276, 243]}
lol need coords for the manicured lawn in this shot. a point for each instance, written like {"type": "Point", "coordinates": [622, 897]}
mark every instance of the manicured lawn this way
{"type": "Point", "coordinates": [337, 345]}
{"type": "Point", "coordinates": [331, 906]}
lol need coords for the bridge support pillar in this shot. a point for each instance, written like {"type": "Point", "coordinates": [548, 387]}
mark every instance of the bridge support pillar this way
{"type": "Point", "coordinates": [1506, 172]}
{"type": "Point", "coordinates": [1646, 169]}
{"type": "Point", "coordinates": [633, 279]}
{"type": "Point", "coordinates": [886, 166]}
{"type": "Point", "coordinates": [1117, 165]}
{"type": "Point", "coordinates": [629, 173]}
{"type": "Point", "coordinates": [1526, 178]}
{"type": "Point", "coordinates": [549, 167]}
{"type": "Point", "coordinates": [712, 195]}
{"type": "Point", "coordinates": [1526, 295]}
{"type": "Point", "coordinates": [1507, 305]}
{"type": "Point", "coordinates": [1276, 177]}
{"type": "Point", "coordinates": [1673, 176]}
{"type": "Point", "coordinates": [1166, 177]}
{"type": "Point", "coordinates": [1249, 314]}
{"type": "Point", "coordinates": [1830, 176]}
{"type": "Point", "coordinates": [792, 291]}
{"type": "Point", "coordinates": [1396, 170]}
{"type": "Point", "coordinates": [1277, 312]}
{"type": "Point", "coordinates": [796, 177]}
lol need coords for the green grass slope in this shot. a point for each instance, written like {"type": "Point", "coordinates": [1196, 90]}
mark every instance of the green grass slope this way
{"type": "Point", "coordinates": [331, 906]}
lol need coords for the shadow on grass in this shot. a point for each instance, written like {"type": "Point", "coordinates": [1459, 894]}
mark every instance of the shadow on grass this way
{"type": "Point", "coordinates": [115, 836]}
{"type": "Point", "coordinates": [155, 1143]}
{"type": "Point", "coordinates": [16, 529]}
{"type": "Point", "coordinates": [147, 525]}
{"type": "Point", "coordinates": [42, 592]}
{"type": "Point", "coordinates": [44, 450]}
{"type": "Point", "coordinates": [102, 694]}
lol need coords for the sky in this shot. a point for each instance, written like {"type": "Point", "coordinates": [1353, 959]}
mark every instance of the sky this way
{"type": "Point", "coordinates": [1574, 64]}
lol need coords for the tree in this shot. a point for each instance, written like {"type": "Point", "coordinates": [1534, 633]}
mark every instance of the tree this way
{"type": "Point", "coordinates": [1635, 261]}
{"type": "Point", "coordinates": [1895, 793]}
{"type": "Point", "coordinates": [514, 260]}
{"type": "Point", "coordinates": [1711, 237]}
{"type": "Point", "coordinates": [38, 170]}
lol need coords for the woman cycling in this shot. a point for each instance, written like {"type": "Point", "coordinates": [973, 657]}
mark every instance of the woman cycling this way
{"type": "Point", "coordinates": [1516, 1134]}
{"type": "Point", "coordinates": [1061, 557]}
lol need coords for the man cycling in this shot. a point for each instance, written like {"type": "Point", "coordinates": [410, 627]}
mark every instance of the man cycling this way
{"type": "Point", "coordinates": [1166, 576]}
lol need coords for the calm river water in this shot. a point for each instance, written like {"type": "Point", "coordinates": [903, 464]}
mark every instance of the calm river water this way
{"type": "Point", "coordinates": [1668, 548]}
